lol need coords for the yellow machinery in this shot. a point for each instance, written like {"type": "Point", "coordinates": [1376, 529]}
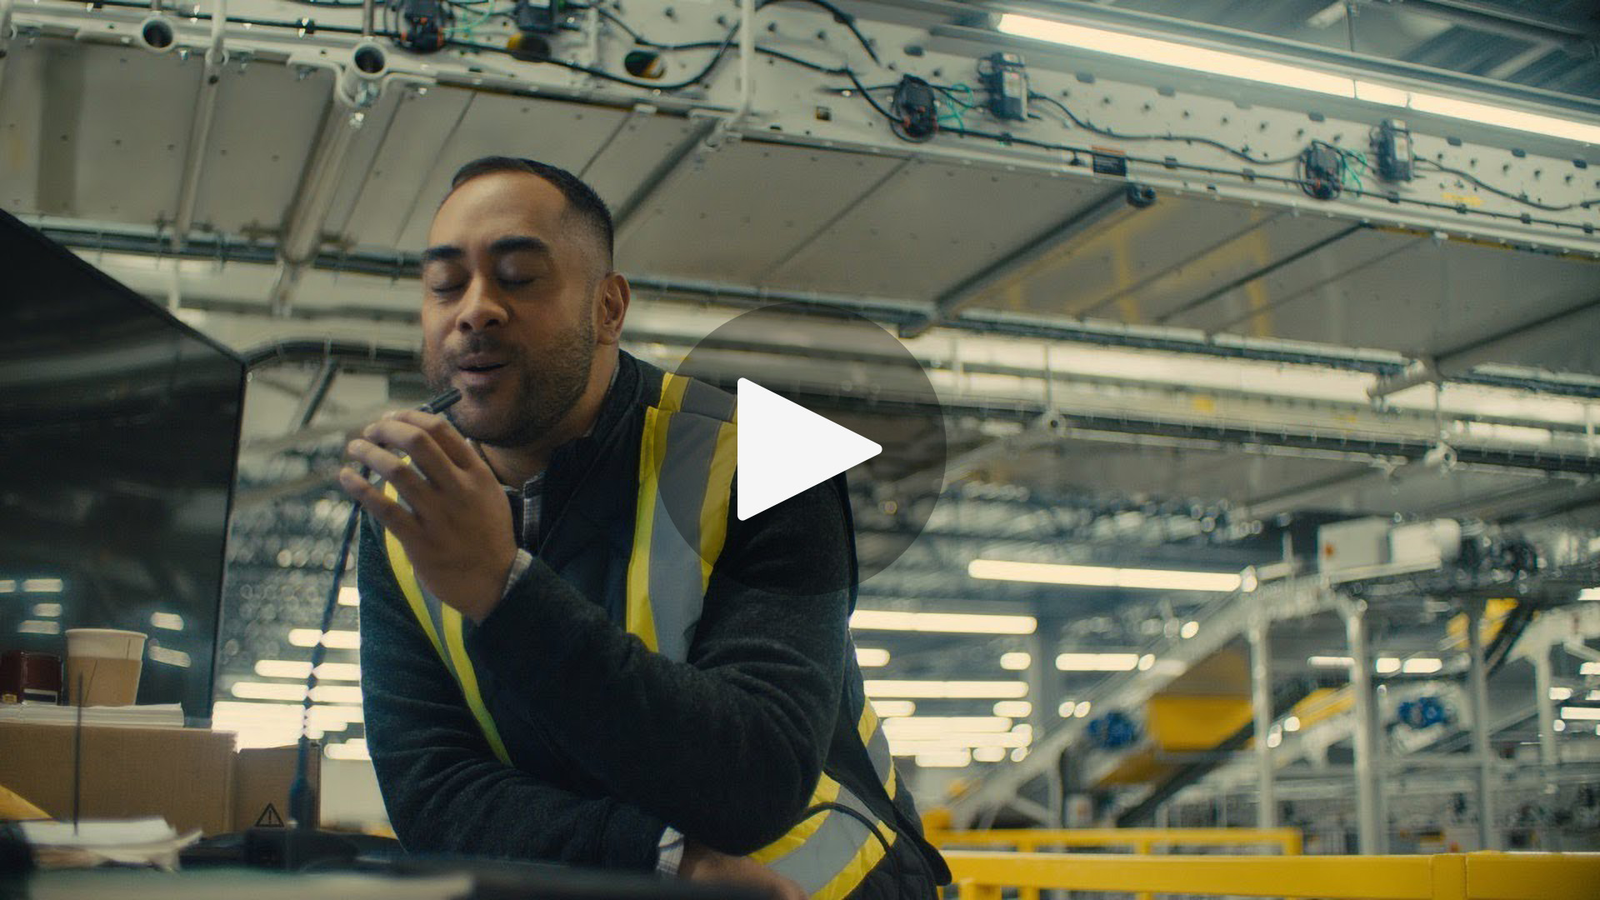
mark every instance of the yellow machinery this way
{"type": "Point", "coordinates": [1446, 876]}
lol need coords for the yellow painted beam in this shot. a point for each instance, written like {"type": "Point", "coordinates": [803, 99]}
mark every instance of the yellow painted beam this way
{"type": "Point", "coordinates": [1534, 876]}
{"type": "Point", "coordinates": [1328, 877]}
{"type": "Point", "coordinates": [1289, 839]}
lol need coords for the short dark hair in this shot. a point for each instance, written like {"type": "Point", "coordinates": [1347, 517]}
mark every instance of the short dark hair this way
{"type": "Point", "coordinates": [581, 199]}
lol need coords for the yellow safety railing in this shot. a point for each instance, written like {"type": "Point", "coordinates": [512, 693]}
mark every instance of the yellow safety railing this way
{"type": "Point", "coordinates": [1447, 876]}
{"type": "Point", "coordinates": [1289, 841]}
{"type": "Point", "coordinates": [1139, 840]}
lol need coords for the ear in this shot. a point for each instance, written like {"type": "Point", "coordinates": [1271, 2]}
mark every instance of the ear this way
{"type": "Point", "coordinates": [615, 294]}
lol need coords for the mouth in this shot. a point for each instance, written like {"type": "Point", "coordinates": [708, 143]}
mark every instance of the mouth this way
{"type": "Point", "coordinates": [479, 372]}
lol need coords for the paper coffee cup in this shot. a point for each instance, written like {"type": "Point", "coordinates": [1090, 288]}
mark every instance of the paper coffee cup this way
{"type": "Point", "coordinates": [103, 666]}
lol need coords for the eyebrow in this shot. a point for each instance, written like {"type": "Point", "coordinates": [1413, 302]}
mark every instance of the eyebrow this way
{"type": "Point", "coordinates": [500, 247]}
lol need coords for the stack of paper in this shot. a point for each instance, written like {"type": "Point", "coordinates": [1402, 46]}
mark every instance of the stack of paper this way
{"type": "Point", "coordinates": [92, 842]}
{"type": "Point", "coordinates": [156, 715]}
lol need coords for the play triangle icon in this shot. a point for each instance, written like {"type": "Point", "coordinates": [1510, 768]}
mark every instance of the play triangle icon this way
{"type": "Point", "coordinates": [785, 448]}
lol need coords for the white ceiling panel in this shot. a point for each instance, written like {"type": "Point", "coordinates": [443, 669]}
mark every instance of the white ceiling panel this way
{"type": "Point", "coordinates": [562, 134]}
{"type": "Point", "coordinates": [632, 153]}
{"type": "Point", "coordinates": [930, 226]}
{"type": "Point", "coordinates": [22, 101]}
{"type": "Point", "coordinates": [397, 183]}
{"type": "Point", "coordinates": [736, 213]}
{"type": "Point", "coordinates": [100, 149]}
{"type": "Point", "coordinates": [266, 122]}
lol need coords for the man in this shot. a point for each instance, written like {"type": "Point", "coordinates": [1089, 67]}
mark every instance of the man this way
{"type": "Point", "coordinates": [554, 669]}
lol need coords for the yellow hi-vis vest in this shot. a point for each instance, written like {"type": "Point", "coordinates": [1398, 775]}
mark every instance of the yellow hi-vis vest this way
{"type": "Point", "coordinates": [686, 459]}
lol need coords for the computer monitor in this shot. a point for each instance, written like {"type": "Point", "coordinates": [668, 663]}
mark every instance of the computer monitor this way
{"type": "Point", "coordinates": [119, 433]}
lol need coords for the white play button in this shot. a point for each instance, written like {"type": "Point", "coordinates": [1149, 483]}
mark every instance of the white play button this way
{"type": "Point", "coordinates": [785, 448]}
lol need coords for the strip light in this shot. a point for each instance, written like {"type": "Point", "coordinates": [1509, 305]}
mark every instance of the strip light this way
{"type": "Point", "coordinates": [1247, 68]}
{"type": "Point", "coordinates": [1588, 713]}
{"type": "Point", "coordinates": [1422, 665]}
{"type": "Point", "coordinates": [886, 708]}
{"type": "Point", "coordinates": [1016, 660]}
{"type": "Point", "coordinates": [956, 623]}
{"type": "Point", "coordinates": [871, 657]}
{"type": "Point", "coordinates": [1015, 709]}
{"type": "Point", "coordinates": [948, 690]}
{"type": "Point", "coordinates": [1104, 576]}
{"type": "Point", "coordinates": [337, 640]}
{"type": "Point", "coordinates": [1098, 662]}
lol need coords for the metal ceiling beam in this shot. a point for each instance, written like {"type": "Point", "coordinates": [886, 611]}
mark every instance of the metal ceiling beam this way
{"type": "Point", "coordinates": [1120, 199]}
{"type": "Point", "coordinates": [1500, 20]}
{"type": "Point", "coordinates": [1258, 274]}
{"type": "Point", "coordinates": [232, 249]}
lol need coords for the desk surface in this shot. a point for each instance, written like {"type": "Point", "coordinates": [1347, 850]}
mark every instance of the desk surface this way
{"type": "Point", "coordinates": [438, 880]}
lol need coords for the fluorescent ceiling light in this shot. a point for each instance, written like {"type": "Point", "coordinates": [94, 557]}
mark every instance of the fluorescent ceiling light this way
{"type": "Point", "coordinates": [1016, 709]}
{"type": "Point", "coordinates": [43, 585]}
{"type": "Point", "coordinates": [1589, 668]}
{"type": "Point", "coordinates": [168, 656]}
{"type": "Point", "coordinates": [169, 621]}
{"type": "Point", "coordinates": [1015, 661]}
{"type": "Point", "coordinates": [949, 759]}
{"type": "Point", "coordinates": [8, 585]}
{"type": "Point", "coordinates": [1558, 725]}
{"type": "Point", "coordinates": [1561, 693]}
{"type": "Point", "coordinates": [1189, 630]}
{"type": "Point", "coordinates": [1588, 713]}
{"type": "Point", "coordinates": [349, 596]}
{"type": "Point", "coordinates": [1589, 594]}
{"type": "Point", "coordinates": [1422, 665]}
{"type": "Point", "coordinates": [935, 726]}
{"type": "Point", "coordinates": [989, 754]}
{"type": "Point", "coordinates": [354, 749]}
{"type": "Point", "coordinates": [947, 690]}
{"type": "Point", "coordinates": [1171, 53]}
{"type": "Point", "coordinates": [337, 640]}
{"type": "Point", "coordinates": [871, 657]}
{"type": "Point", "coordinates": [1097, 662]}
{"type": "Point", "coordinates": [886, 708]}
{"type": "Point", "coordinates": [1248, 68]}
{"type": "Point", "coordinates": [1103, 576]}
{"type": "Point", "coordinates": [1331, 662]}
{"type": "Point", "coordinates": [289, 668]}
{"type": "Point", "coordinates": [1291, 724]}
{"type": "Point", "coordinates": [38, 626]}
{"type": "Point", "coordinates": [47, 610]}
{"type": "Point", "coordinates": [955, 623]}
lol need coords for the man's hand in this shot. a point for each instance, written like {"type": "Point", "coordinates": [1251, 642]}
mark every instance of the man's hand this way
{"type": "Point", "coordinates": [457, 530]}
{"type": "Point", "coordinates": [701, 863]}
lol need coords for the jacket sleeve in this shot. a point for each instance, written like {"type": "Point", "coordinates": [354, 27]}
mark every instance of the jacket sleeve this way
{"type": "Point", "coordinates": [442, 785]}
{"type": "Point", "coordinates": [727, 747]}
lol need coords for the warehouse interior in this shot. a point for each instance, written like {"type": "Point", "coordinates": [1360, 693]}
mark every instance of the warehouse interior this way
{"type": "Point", "coordinates": [1262, 488]}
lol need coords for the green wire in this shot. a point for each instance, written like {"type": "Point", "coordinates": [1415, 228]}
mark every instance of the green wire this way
{"type": "Point", "coordinates": [488, 13]}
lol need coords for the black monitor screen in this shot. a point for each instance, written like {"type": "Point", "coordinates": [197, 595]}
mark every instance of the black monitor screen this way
{"type": "Point", "coordinates": [119, 432]}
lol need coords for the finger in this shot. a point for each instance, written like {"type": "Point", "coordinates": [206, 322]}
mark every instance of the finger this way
{"type": "Point", "coordinates": [426, 456]}
{"type": "Point", "coordinates": [390, 514]}
{"type": "Point", "coordinates": [445, 435]}
{"type": "Point", "coordinates": [398, 472]}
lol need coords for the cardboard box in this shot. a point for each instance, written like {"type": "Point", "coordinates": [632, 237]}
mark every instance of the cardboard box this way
{"type": "Point", "coordinates": [261, 780]}
{"type": "Point", "coordinates": [183, 774]}
{"type": "Point", "coordinates": [190, 776]}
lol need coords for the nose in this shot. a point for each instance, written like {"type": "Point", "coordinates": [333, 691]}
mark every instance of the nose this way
{"type": "Point", "coordinates": [481, 307]}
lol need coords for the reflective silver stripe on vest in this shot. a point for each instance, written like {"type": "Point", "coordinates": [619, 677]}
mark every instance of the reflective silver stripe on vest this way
{"type": "Point", "coordinates": [676, 592]}
{"type": "Point", "coordinates": [882, 761]}
{"type": "Point", "coordinates": [704, 400]}
{"type": "Point", "coordinates": [833, 847]}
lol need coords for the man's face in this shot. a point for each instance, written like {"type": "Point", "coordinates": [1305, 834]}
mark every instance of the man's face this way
{"type": "Point", "coordinates": [508, 309]}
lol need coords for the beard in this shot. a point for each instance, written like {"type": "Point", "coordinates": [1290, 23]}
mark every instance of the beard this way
{"type": "Point", "coordinates": [538, 396]}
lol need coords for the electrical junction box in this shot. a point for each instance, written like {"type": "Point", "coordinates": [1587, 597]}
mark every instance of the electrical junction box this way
{"type": "Point", "coordinates": [1356, 544]}
{"type": "Point", "coordinates": [1425, 544]}
{"type": "Point", "coordinates": [1377, 541]}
